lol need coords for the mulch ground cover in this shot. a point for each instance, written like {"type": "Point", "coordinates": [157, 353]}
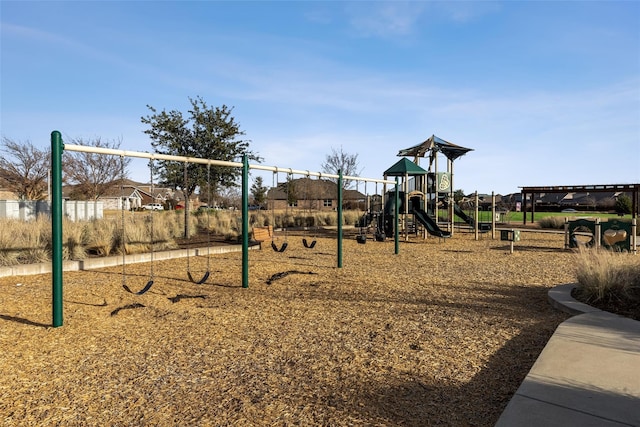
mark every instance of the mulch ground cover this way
{"type": "Point", "coordinates": [441, 334]}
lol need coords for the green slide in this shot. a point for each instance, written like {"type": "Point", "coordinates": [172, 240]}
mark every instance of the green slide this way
{"type": "Point", "coordinates": [430, 224]}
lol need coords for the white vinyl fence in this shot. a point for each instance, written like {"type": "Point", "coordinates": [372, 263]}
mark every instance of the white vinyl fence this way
{"type": "Point", "coordinates": [28, 210]}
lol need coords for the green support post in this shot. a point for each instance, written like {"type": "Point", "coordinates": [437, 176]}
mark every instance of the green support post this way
{"type": "Point", "coordinates": [340, 218]}
{"type": "Point", "coordinates": [56, 226]}
{"type": "Point", "coordinates": [245, 221]}
{"type": "Point", "coordinates": [396, 234]}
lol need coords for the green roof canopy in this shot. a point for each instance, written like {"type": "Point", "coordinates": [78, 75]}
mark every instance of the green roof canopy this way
{"type": "Point", "coordinates": [404, 167]}
{"type": "Point", "coordinates": [433, 143]}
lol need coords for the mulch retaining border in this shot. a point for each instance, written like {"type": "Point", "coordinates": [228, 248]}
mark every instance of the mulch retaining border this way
{"type": "Point", "coordinates": [112, 261]}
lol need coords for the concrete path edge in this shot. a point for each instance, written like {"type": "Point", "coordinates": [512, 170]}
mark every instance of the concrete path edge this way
{"type": "Point", "coordinates": [586, 375]}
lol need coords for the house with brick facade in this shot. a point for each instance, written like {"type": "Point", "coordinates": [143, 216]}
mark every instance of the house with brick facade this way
{"type": "Point", "coordinates": [312, 194]}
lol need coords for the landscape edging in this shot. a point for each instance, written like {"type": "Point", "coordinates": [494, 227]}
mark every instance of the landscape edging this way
{"type": "Point", "coordinates": [102, 262]}
{"type": "Point", "coordinates": [560, 298]}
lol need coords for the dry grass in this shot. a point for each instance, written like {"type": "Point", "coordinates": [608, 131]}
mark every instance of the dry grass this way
{"type": "Point", "coordinates": [607, 277]}
{"type": "Point", "coordinates": [302, 218]}
{"type": "Point", "coordinates": [441, 334]}
{"type": "Point", "coordinates": [552, 222]}
{"type": "Point", "coordinates": [26, 242]}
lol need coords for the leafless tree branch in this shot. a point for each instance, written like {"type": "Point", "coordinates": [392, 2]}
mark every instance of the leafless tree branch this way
{"type": "Point", "coordinates": [24, 169]}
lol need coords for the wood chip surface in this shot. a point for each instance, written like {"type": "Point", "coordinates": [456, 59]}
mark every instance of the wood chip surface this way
{"type": "Point", "coordinates": [441, 334]}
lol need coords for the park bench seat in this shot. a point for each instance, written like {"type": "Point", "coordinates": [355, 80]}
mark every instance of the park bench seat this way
{"type": "Point", "coordinates": [261, 234]}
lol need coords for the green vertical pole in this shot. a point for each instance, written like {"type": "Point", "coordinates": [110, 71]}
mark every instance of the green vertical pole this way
{"type": "Point", "coordinates": [56, 226]}
{"type": "Point", "coordinates": [245, 221]}
{"type": "Point", "coordinates": [340, 218]}
{"type": "Point", "coordinates": [396, 235]}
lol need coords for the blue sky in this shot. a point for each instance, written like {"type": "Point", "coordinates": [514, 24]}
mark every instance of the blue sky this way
{"type": "Point", "coordinates": [545, 93]}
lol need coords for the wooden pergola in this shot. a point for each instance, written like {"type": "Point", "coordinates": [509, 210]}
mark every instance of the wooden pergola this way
{"type": "Point", "coordinates": [634, 189]}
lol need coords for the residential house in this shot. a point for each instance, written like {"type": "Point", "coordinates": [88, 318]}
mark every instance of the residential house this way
{"type": "Point", "coordinates": [312, 194]}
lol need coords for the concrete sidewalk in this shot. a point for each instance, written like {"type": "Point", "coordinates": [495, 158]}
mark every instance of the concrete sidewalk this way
{"type": "Point", "coordinates": [588, 374]}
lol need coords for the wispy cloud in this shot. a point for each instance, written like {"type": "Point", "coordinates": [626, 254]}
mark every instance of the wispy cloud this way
{"type": "Point", "coordinates": [56, 41]}
{"type": "Point", "coordinates": [385, 19]}
{"type": "Point", "coordinates": [393, 19]}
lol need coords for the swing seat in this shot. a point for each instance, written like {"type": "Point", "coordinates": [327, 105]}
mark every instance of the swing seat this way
{"type": "Point", "coordinates": [140, 292]}
{"type": "Point", "coordinates": [361, 238]}
{"type": "Point", "coordinates": [380, 237]}
{"type": "Point", "coordinates": [279, 249]}
{"type": "Point", "coordinates": [309, 245]}
{"type": "Point", "coordinates": [199, 282]}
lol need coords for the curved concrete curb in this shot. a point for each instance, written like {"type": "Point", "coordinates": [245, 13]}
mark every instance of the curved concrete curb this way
{"type": "Point", "coordinates": [560, 298]}
{"type": "Point", "coordinates": [586, 375]}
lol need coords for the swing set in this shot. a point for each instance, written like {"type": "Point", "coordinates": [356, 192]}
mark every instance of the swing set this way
{"type": "Point", "coordinates": [305, 242]}
{"type": "Point", "coordinates": [204, 278]}
{"type": "Point", "coordinates": [367, 218]}
{"type": "Point", "coordinates": [152, 242]}
{"type": "Point", "coordinates": [124, 234]}
{"type": "Point", "coordinates": [57, 148]}
{"type": "Point", "coordinates": [288, 193]}
{"type": "Point", "coordinates": [285, 245]}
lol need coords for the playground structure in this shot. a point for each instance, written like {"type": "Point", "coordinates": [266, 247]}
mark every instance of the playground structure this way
{"type": "Point", "coordinates": [426, 192]}
{"type": "Point", "coordinates": [57, 148]}
{"type": "Point", "coordinates": [620, 236]}
{"type": "Point", "coordinates": [403, 211]}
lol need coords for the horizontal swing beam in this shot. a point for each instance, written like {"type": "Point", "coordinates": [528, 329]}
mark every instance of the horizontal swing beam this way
{"type": "Point", "coordinates": [212, 162]}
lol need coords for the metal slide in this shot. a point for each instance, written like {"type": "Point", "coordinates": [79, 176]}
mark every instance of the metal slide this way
{"type": "Point", "coordinates": [430, 224]}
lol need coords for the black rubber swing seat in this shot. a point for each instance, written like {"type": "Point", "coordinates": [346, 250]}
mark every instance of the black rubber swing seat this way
{"type": "Point", "coordinates": [198, 282]}
{"type": "Point", "coordinates": [309, 245]}
{"type": "Point", "coordinates": [279, 249]}
{"type": "Point", "coordinates": [141, 291]}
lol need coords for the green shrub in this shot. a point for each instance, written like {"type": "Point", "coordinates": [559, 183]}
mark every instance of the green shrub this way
{"type": "Point", "coordinates": [624, 204]}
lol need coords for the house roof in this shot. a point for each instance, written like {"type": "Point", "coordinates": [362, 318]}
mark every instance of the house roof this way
{"type": "Point", "coordinates": [310, 189]}
{"type": "Point", "coordinates": [115, 192]}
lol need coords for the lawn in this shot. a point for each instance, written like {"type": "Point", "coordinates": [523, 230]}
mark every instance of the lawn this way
{"type": "Point", "coordinates": [516, 217]}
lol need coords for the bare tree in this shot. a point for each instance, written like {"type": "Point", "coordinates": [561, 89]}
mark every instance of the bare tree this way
{"type": "Point", "coordinates": [24, 169]}
{"type": "Point", "coordinates": [230, 197]}
{"type": "Point", "coordinates": [341, 161]}
{"type": "Point", "coordinates": [92, 174]}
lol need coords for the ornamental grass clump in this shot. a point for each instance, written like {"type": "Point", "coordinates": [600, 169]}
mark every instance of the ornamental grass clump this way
{"type": "Point", "coordinates": [9, 245]}
{"type": "Point", "coordinates": [608, 277]}
{"type": "Point", "coordinates": [553, 222]}
{"type": "Point", "coordinates": [102, 236]}
{"type": "Point", "coordinates": [35, 235]}
{"type": "Point", "coordinates": [74, 237]}
{"type": "Point", "coordinates": [221, 223]}
{"type": "Point", "coordinates": [24, 242]}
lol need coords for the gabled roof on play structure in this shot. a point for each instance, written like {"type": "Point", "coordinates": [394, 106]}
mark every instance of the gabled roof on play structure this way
{"type": "Point", "coordinates": [404, 167]}
{"type": "Point", "coordinates": [433, 143]}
